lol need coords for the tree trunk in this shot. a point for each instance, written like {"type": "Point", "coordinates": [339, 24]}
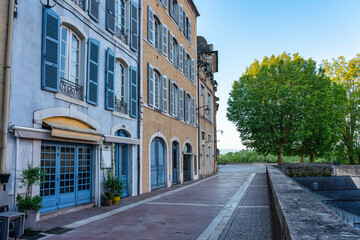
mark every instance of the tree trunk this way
{"type": "Point", "coordinates": [280, 155]}
{"type": "Point", "coordinates": [311, 157]}
{"type": "Point", "coordinates": [351, 159]}
{"type": "Point", "coordinates": [302, 160]}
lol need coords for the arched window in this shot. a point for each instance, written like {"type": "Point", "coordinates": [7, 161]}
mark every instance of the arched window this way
{"type": "Point", "coordinates": [175, 100]}
{"type": "Point", "coordinates": [157, 90]}
{"type": "Point", "coordinates": [158, 28]}
{"type": "Point", "coordinates": [69, 55]}
{"type": "Point", "coordinates": [176, 52]}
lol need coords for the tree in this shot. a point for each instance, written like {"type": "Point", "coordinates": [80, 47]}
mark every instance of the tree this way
{"type": "Point", "coordinates": [282, 104]}
{"type": "Point", "coordinates": [347, 73]}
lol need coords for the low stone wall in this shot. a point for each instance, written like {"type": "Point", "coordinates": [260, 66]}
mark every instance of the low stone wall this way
{"type": "Point", "coordinates": [307, 170]}
{"type": "Point", "coordinates": [297, 215]}
{"type": "Point", "coordinates": [347, 170]}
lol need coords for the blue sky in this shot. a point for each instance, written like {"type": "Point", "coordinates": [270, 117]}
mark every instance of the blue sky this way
{"type": "Point", "coordinates": [245, 30]}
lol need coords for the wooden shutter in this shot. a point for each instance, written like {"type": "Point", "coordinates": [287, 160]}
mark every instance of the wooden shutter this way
{"type": "Point", "coordinates": [181, 104]}
{"type": "Point", "coordinates": [93, 71]}
{"type": "Point", "coordinates": [164, 39]}
{"type": "Point", "coordinates": [109, 80]}
{"type": "Point", "coordinates": [134, 27]}
{"type": "Point", "coordinates": [192, 70]}
{"type": "Point", "coordinates": [94, 9]}
{"type": "Point", "coordinates": [165, 101]}
{"type": "Point", "coordinates": [110, 16]}
{"type": "Point", "coordinates": [150, 85]}
{"type": "Point", "coordinates": [133, 91]}
{"type": "Point", "coordinates": [151, 25]}
{"type": "Point", "coordinates": [171, 9]}
{"type": "Point", "coordinates": [181, 57]}
{"type": "Point", "coordinates": [192, 111]}
{"type": "Point", "coordinates": [171, 98]}
{"type": "Point", "coordinates": [171, 47]}
{"type": "Point", "coordinates": [50, 51]}
{"type": "Point", "coordinates": [181, 17]}
{"type": "Point", "coordinates": [189, 31]}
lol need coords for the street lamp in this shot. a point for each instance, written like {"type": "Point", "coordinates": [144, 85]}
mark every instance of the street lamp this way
{"type": "Point", "coordinates": [47, 4]}
{"type": "Point", "coordinates": [207, 109]}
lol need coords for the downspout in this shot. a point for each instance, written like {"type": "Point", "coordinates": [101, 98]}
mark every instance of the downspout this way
{"type": "Point", "coordinates": [6, 99]}
{"type": "Point", "coordinates": [198, 119]}
{"type": "Point", "coordinates": [139, 115]}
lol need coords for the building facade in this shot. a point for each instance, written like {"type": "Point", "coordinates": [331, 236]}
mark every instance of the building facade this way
{"type": "Point", "coordinates": [169, 136]}
{"type": "Point", "coordinates": [207, 66]}
{"type": "Point", "coordinates": [75, 98]}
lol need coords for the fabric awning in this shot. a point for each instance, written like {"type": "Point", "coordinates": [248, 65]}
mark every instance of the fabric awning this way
{"type": "Point", "coordinates": [117, 139]}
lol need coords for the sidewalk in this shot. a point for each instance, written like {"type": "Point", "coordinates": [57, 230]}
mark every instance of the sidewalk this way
{"type": "Point", "coordinates": [233, 204]}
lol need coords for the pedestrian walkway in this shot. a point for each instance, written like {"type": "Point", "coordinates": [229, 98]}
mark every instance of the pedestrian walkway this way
{"type": "Point", "coordinates": [233, 204]}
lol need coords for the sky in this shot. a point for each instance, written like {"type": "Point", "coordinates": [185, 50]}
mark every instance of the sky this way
{"type": "Point", "coordinates": [245, 30]}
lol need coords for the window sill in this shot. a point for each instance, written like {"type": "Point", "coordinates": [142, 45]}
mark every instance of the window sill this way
{"type": "Point", "coordinates": [70, 100]}
{"type": "Point", "coordinates": [122, 115]}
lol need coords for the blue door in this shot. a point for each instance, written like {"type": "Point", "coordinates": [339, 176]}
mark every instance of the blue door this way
{"type": "Point", "coordinates": [175, 162]}
{"type": "Point", "coordinates": [67, 176]}
{"type": "Point", "coordinates": [157, 164]}
{"type": "Point", "coordinates": [209, 160]}
{"type": "Point", "coordinates": [122, 161]}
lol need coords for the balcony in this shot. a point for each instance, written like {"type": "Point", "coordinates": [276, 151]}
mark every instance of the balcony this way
{"type": "Point", "coordinates": [80, 3]}
{"type": "Point", "coordinates": [121, 106]}
{"type": "Point", "coordinates": [120, 33]}
{"type": "Point", "coordinates": [71, 89]}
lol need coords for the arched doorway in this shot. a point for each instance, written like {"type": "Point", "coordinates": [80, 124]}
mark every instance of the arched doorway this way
{"type": "Point", "coordinates": [158, 156]}
{"type": "Point", "coordinates": [122, 161]}
{"type": "Point", "coordinates": [187, 155]}
{"type": "Point", "coordinates": [175, 162]}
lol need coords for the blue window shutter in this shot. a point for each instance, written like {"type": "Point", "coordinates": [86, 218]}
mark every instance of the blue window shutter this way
{"type": "Point", "coordinates": [171, 47]}
{"type": "Point", "coordinates": [181, 103]}
{"type": "Point", "coordinates": [171, 98]}
{"type": "Point", "coordinates": [151, 84]}
{"type": "Point", "coordinates": [93, 71]}
{"type": "Point", "coordinates": [171, 9]}
{"type": "Point", "coordinates": [189, 31]}
{"type": "Point", "coordinates": [50, 51]}
{"type": "Point", "coordinates": [185, 24]}
{"type": "Point", "coordinates": [186, 109]}
{"type": "Point", "coordinates": [181, 57]}
{"type": "Point", "coordinates": [165, 3]}
{"type": "Point", "coordinates": [181, 17]}
{"type": "Point", "coordinates": [151, 25]}
{"type": "Point", "coordinates": [109, 80]}
{"type": "Point", "coordinates": [192, 121]}
{"type": "Point", "coordinates": [164, 82]}
{"type": "Point", "coordinates": [133, 92]}
{"type": "Point", "coordinates": [192, 70]}
{"type": "Point", "coordinates": [94, 9]}
{"type": "Point", "coordinates": [134, 27]}
{"type": "Point", "coordinates": [186, 65]}
{"type": "Point", "coordinates": [164, 39]}
{"type": "Point", "coordinates": [110, 16]}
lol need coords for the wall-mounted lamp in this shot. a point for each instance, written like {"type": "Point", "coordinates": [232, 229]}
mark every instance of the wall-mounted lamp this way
{"type": "Point", "coordinates": [207, 109]}
{"type": "Point", "coordinates": [46, 3]}
{"type": "Point", "coordinates": [221, 131]}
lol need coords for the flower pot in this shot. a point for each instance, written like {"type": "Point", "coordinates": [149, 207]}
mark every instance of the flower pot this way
{"type": "Point", "coordinates": [116, 199]}
{"type": "Point", "coordinates": [31, 219]}
{"type": "Point", "coordinates": [4, 177]}
{"type": "Point", "coordinates": [107, 202]}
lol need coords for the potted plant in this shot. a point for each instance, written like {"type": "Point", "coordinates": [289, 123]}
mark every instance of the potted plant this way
{"type": "Point", "coordinates": [29, 204]}
{"type": "Point", "coordinates": [107, 200]}
{"type": "Point", "coordinates": [115, 186]}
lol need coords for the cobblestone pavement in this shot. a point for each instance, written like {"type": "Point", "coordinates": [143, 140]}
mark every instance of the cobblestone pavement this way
{"type": "Point", "coordinates": [233, 203]}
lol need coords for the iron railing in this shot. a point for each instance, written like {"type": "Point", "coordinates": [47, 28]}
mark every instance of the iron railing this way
{"type": "Point", "coordinates": [121, 106]}
{"type": "Point", "coordinates": [121, 34]}
{"type": "Point", "coordinates": [71, 89]}
{"type": "Point", "coordinates": [80, 3]}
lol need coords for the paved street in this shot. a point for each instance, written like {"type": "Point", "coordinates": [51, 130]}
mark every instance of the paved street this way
{"type": "Point", "coordinates": [234, 204]}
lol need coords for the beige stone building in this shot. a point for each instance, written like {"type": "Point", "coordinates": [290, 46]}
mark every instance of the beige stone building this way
{"type": "Point", "coordinates": [169, 140]}
{"type": "Point", "coordinates": [207, 66]}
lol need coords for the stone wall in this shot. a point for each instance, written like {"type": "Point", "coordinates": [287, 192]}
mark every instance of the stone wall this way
{"type": "Point", "coordinates": [297, 215]}
{"type": "Point", "coordinates": [307, 170]}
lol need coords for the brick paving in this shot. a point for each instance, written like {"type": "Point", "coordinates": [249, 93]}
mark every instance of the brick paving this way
{"type": "Point", "coordinates": [179, 212]}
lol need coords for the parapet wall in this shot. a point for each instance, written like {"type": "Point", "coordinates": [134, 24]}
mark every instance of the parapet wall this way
{"type": "Point", "coordinates": [298, 215]}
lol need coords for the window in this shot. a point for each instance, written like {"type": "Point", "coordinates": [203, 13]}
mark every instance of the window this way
{"type": "Point", "coordinates": [174, 50]}
{"type": "Point", "coordinates": [187, 107]}
{"type": "Point", "coordinates": [157, 90]}
{"type": "Point", "coordinates": [122, 88]}
{"type": "Point", "coordinates": [175, 105]}
{"type": "Point", "coordinates": [203, 100]}
{"type": "Point", "coordinates": [174, 10]}
{"type": "Point", "coordinates": [120, 15]}
{"type": "Point", "coordinates": [69, 52]}
{"type": "Point", "coordinates": [202, 135]}
{"type": "Point", "coordinates": [209, 106]}
{"type": "Point", "coordinates": [209, 138]}
{"type": "Point", "coordinates": [158, 33]}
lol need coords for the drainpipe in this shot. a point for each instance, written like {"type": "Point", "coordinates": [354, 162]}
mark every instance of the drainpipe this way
{"type": "Point", "coordinates": [139, 115]}
{"type": "Point", "coordinates": [6, 99]}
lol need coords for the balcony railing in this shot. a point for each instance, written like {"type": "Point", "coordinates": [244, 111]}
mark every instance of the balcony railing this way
{"type": "Point", "coordinates": [71, 89]}
{"type": "Point", "coordinates": [121, 106]}
{"type": "Point", "coordinates": [120, 33]}
{"type": "Point", "coordinates": [80, 3]}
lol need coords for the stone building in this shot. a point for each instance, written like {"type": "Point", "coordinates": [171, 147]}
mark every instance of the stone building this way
{"type": "Point", "coordinates": [207, 66]}
{"type": "Point", "coordinates": [74, 98]}
{"type": "Point", "coordinates": [169, 135]}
